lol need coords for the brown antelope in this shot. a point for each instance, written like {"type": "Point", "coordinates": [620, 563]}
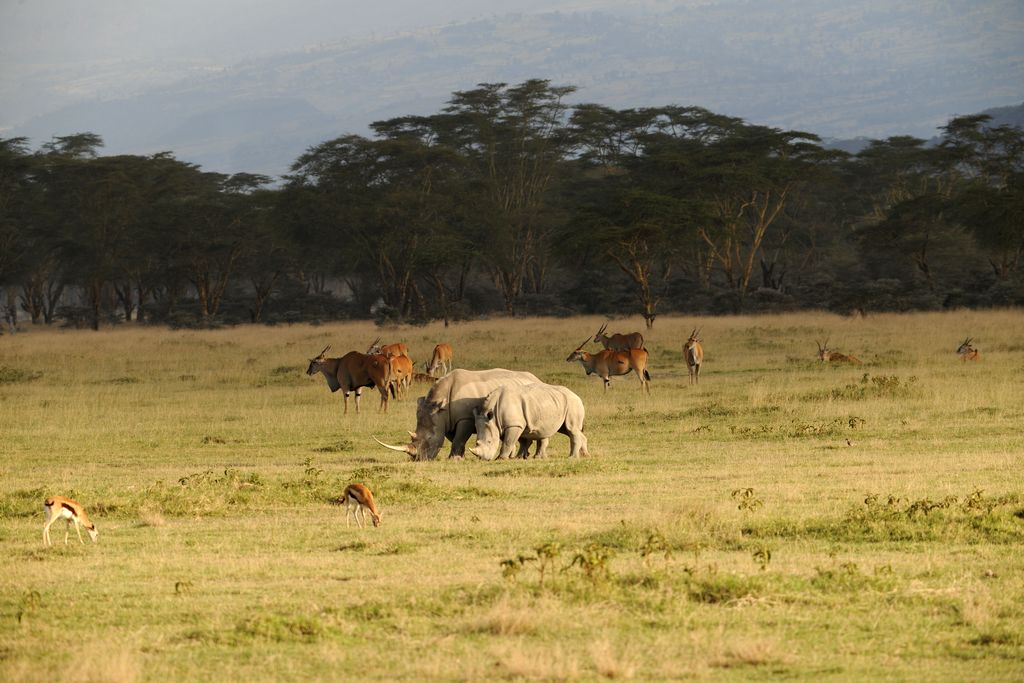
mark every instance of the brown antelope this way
{"type": "Point", "coordinates": [423, 378]}
{"type": "Point", "coordinates": [827, 355]}
{"type": "Point", "coordinates": [71, 511]}
{"type": "Point", "coordinates": [401, 374]}
{"type": "Point", "coordinates": [442, 358]}
{"type": "Point", "coordinates": [388, 349]}
{"type": "Point", "coordinates": [352, 372]}
{"type": "Point", "coordinates": [606, 363]}
{"type": "Point", "coordinates": [619, 342]}
{"type": "Point", "coordinates": [694, 354]}
{"type": "Point", "coordinates": [358, 500]}
{"type": "Point", "coordinates": [967, 351]}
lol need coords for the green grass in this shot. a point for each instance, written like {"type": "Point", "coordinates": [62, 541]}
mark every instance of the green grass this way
{"type": "Point", "coordinates": [783, 518]}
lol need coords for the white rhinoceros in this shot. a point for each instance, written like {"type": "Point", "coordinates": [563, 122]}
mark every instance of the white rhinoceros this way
{"type": "Point", "coordinates": [447, 410]}
{"type": "Point", "coordinates": [534, 412]}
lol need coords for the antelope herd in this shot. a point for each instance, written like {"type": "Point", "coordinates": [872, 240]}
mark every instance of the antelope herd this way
{"type": "Point", "coordinates": [508, 410]}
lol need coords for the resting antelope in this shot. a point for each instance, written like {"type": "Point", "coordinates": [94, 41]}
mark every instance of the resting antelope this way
{"type": "Point", "coordinates": [967, 351]}
{"type": "Point", "coordinates": [388, 349]}
{"type": "Point", "coordinates": [607, 363]}
{"type": "Point", "coordinates": [71, 511]}
{"type": "Point", "coordinates": [619, 342]}
{"type": "Point", "coordinates": [442, 358]}
{"type": "Point", "coordinates": [827, 355]}
{"type": "Point", "coordinates": [694, 354]}
{"type": "Point", "coordinates": [352, 372]}
{"type": "Point", "coordinates": [358, 500]}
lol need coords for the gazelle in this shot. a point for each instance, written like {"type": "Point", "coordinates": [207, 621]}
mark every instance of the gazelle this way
{"type": "Point", "coordinates": [827, 355]}
{"type": "Point", "coordinates": [619, 342]}
{"type": "Point", "coordinates": [694, 354]}
{"type": "Point", "coordinates": [607, 363]}
{"type": "Point", "coordinates": [401, 374]}
{"type": "Point", "coordinates": [358, 500]}
{"type": "Point", "coordinates": [442, 358]}
{"type": "Point", "coordinates": [71, 511]}
{"type": "Point", "coordinates": [388, 349]}
{"type": "Point", "coordinates": [967, 351]}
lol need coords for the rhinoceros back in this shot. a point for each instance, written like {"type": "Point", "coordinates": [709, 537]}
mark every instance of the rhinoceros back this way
{"type": "Point", "coordinates": [464, 390]}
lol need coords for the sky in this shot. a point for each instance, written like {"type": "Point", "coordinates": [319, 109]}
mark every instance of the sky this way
{"type": "Point", "coordinates": [49, 31]}
{"type": "Point", "coordinates": [67, 65]}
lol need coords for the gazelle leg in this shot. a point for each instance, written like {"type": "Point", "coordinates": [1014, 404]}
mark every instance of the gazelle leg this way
{"type": "Point", "coordinates": [67, 531]}
{"type": "Point", "coordinates": [360, 516]}
{"type": "Point", "coordinates": [79, 531]}
{"type": "Point", "coordinates": [348, 514]}
{"type": "Point", "coordinates": [46, 530]}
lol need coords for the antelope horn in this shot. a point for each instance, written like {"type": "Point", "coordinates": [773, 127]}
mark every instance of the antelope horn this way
{"type": "Point", "coordinates": [400, 449]}
{"type": "Point", "coordinates": [326, 349]}
{"type": "Point", "coordinates": [584, 343]}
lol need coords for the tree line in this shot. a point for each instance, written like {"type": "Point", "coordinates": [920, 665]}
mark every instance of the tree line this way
{"type": "Point", "coordinates": [510, 200]}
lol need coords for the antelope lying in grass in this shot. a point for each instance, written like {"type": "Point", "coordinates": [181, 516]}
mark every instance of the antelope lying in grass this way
{"type": "Point", "coordinates": [358, 500]}
{"type": "Point", "coordinates": [71, 511]}
{"type": "Point", "coordinates": [827, 355]}
{"type": "Point", "coordinates": [606, 363]}
{"type": "Point", "coordinates": [967, 351]}
{"type": "Point", "coordinates": [694, 354]}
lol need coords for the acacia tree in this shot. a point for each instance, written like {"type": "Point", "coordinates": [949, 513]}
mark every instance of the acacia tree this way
{"type": "Point", "coordinates": [623, 212]}
{"type": "Point", "coordinates": [513, 139]}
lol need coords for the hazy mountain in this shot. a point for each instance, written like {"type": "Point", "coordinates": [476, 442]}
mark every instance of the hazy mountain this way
{"type": "Point", "coordinates": [861, 68]}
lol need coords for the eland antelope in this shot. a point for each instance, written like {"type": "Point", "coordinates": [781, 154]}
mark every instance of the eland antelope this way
{"type": "Point", "coordinates": [607, 363]}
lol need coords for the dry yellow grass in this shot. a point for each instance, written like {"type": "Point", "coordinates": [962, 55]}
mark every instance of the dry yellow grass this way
{"type": "Point", "coordinates": [209, 462]}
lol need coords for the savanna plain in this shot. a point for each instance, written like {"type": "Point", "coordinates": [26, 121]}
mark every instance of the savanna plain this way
{"type": "Point", "coordinates": [784, 518]}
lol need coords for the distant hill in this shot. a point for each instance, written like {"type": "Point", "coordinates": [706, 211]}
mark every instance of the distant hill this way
{"type": "Point", "coordinates": [868, 68]}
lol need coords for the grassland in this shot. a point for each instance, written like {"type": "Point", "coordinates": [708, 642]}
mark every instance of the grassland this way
{"type": "Point", "coordinates": [784, 518]}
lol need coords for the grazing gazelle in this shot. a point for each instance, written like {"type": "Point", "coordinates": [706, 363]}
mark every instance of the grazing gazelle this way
{"type": "Point", "coordinates": [694, 354]}
{"type": "Point", "coordinates": [71, 511]}
{"type": "Point", "coordinates": [358, 500]}
{"type": "Point", "coordinates": [827, 355]}
{"type": "Point", "coordinates": [442, 358]}
{"type": "Point", "coordinates": [967, 351]}
{"type": "Point", "coordinates": [607, 363]}
{"type": "Point", "coordinates": [619, 342]}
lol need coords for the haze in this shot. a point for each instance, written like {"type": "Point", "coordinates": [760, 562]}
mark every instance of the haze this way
{"type": "Point", "coordinates": [237, 85]}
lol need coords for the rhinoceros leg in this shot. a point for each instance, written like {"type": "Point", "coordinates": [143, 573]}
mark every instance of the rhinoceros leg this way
{"type": "Point", "coordinates": [509, 441]}
{"type": "Point", "coordinates": [462, 431]}
{"type": "Point", "coordinates": [542, 448]}
{"type": "Point", "coordinates": [524, 449]}
{"type": "Point", "coordinates": [577, 444]}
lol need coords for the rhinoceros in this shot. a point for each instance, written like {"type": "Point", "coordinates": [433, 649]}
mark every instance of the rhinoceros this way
{"type": "Point", "coordinates": [447, 410]}
{"type": "Point", "coordinates": [534, 412]}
